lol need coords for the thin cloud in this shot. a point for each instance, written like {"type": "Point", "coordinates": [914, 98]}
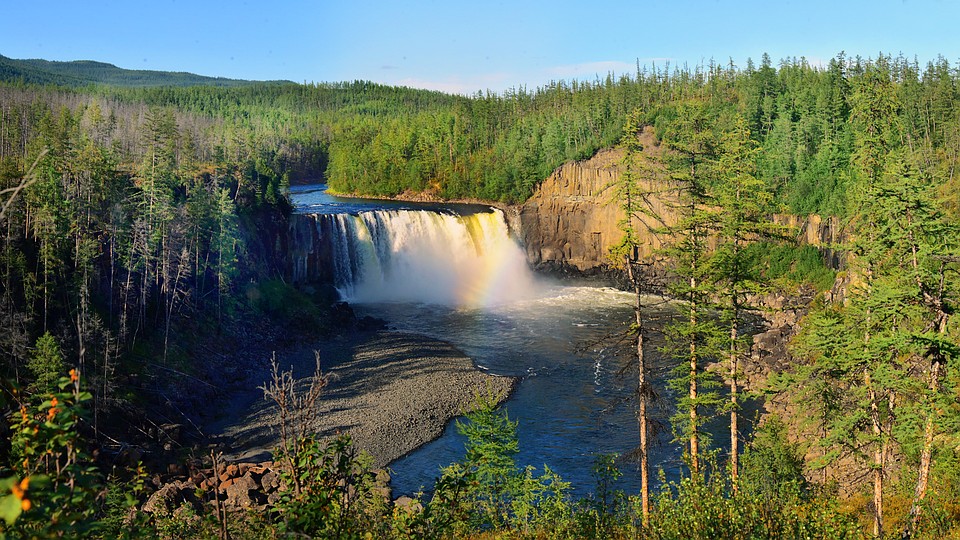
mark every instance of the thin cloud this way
{"type": "Point", "coordinates": [459, 85]}
{"type": "Point", "coordinates": [589, 69]}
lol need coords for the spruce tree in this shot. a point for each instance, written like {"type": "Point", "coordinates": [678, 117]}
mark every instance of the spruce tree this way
{"type": "Point", "coordinates": [742, 200]}
{"type": "Point", "coordinates": [692, 337]}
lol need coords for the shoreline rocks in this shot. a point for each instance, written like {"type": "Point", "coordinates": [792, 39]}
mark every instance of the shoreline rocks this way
{"type": "Point", "coordinates": [391, 391]}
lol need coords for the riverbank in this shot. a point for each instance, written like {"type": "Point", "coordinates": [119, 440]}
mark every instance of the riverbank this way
{"type": "Point", "coordinates": [391, 391]}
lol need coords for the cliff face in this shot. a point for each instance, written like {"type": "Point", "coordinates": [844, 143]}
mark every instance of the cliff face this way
{"type": "Point", "coordinates": [573, 219]}
{"type": "Point", "coordinates": [309, 258]}
{"type": "Point", "coordinates": [816, 231]}
{"type": "Point", "coordinates": [570, 219]}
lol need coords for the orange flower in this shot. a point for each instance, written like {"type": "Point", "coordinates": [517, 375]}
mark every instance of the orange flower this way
{"type": "Point", "coordinates": [52, 413]}
{"type": "Point", "coordinates": [74, 375]}
{"type": "Point", "coordinates": [25, 505]}
{"type": "Point", "coordinates": [53, 402]}
{"type": "Point", "coordinates": [19, 489]}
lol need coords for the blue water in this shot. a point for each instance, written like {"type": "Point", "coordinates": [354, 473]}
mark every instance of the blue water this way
{"type": "Point", "coordinates": [313, 199]}
{"type": "Point", "coordinates": [572, 402]}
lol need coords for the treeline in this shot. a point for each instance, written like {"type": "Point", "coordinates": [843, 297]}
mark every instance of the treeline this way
{"type": "Point", "coordinates": [498, 147]}
{"type": "Point", "coordinates": [368, 138]}
{"type": "Point", "coordinates": [127, 231]}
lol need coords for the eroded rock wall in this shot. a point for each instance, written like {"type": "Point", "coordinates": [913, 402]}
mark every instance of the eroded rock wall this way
{"type": "Point", "coordinates": [573, 218]}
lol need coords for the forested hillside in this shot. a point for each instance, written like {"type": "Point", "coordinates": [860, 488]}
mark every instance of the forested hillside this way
{"type": "Point", "coordinates": [371, 139]}
{"type": "Point", "coordinates": [141, 231]}
{"type": "Point", "coordinates": [497, 147]}
{"type": "Point", "coordinates": [88, 72]}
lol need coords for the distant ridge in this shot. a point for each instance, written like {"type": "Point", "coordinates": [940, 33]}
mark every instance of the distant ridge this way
{"type": "Point", "coordinates": [86, 72]}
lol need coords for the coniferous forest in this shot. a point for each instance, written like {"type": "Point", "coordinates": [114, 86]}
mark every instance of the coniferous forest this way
{"type": "Point", "coordinates": [140, 216]}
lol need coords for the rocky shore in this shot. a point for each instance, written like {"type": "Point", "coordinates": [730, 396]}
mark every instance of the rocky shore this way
{"type": "Point", "coordinates": [392, 392]}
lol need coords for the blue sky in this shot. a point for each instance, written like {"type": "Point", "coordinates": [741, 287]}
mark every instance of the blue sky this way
{"type": "Point", "coordinates": [463, 47]}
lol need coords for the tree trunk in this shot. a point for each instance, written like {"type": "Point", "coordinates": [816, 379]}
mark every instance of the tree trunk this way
{"type": "Point", "coordinates": [925, 454]}
{"type": "Point", "coordinates": [878, 461]}
{"type": "Point", "coordinates": [734, 429]}
{"type": "Point", "coordinates": [642, 394]}
{"type": "Point", "coordinates": [694, 437]}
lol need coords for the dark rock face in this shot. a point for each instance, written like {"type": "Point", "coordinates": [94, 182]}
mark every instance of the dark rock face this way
{"type": "Point", "coordinates": [572, 220]}
{"type": "Point", "coordinates": [309, 257]}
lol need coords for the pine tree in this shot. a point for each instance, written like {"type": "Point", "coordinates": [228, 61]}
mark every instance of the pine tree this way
{"type": "Point", "coordinates": [634, 191]}
{"type": "Point", "coordinates": [742, 200]}
{"type": "Point", "coordinates": [691, 339]}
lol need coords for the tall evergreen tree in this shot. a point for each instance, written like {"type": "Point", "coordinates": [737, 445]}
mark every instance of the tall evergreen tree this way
{"type": "Point", "coordinates": [743, 201]}
{"type": "Point", "coordinates": [691, 161]}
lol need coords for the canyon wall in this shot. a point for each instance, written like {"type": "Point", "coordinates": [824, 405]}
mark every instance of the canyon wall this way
{"type": "Point", "coordinates": [573, 218]}
{"type": "Point", "coordinates": [571, 222]}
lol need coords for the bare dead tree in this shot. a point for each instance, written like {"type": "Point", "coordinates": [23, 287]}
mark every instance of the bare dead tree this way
{"type": "Point", "coordinates": [28, 178]}
{"type": "Point", "coordinates": [296, 411]}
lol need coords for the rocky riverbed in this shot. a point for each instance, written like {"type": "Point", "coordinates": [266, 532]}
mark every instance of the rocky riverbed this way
{"type": "Point", "coordinates": [391, 391]}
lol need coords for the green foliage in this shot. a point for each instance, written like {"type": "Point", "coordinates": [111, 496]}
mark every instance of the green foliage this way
{"type": "Point", "coordinates": [54, 487]}
{"type": "Point", "coordinates": [705, 509]}
{"type": "Point", "coordinates": [790, 266]}
{"type": "Point", "coordinates": [337, 497]}
{"type": "Point", "coordinates": [286, 304]}
{"type": "Point", "coordinates": [605, 511]}
{"type": "Point", "coordinates": [487, 491]}
{"type": "Point", "coordinates": [119, 516]}
{"type": "Point", "coordinates": [773, 467]}
{"type": "Point", "coordinates": [46, 363]}
{"type": "Point", "coordinates": [372, 139]}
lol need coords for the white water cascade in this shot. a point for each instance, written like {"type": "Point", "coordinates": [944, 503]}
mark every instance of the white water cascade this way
{"type": "Point", "coordinates": [427, 257]}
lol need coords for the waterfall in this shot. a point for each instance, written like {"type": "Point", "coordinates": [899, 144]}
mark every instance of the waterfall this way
{"type": "Point", "coordinates": [426, 256]}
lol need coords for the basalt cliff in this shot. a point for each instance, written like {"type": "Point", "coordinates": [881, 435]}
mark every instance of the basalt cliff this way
{"type": "Point", "coordinates": [574, 218]}
{"type": "Point", "coordinates": [570, 223]}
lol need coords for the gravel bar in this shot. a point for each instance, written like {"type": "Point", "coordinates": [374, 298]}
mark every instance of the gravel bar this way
{"type": "Point", "coordinates": [391, 391]}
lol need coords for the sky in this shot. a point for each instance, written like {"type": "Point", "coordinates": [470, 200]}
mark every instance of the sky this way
{"type": "Point", "coordinates": [463, 47]}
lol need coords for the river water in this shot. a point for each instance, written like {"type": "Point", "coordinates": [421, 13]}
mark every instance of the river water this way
{"type": "Point", "coordinates": [560, 339]}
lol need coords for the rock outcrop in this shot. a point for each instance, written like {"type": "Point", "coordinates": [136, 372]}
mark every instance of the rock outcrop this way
{"type": "Point", "coordinates": [574, 218]}
{"type": "Point", "coordinates": [237, 486]}
{"type": "Point", "coordinates": [813, 230]}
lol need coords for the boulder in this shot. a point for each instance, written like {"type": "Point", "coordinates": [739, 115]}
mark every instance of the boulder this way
{"type": "Point", "coordinates": [407, 504]}
{"type": "Point", "coordinates": [244, 492]}
{"type": "Point", "coordinates": [170, 497]}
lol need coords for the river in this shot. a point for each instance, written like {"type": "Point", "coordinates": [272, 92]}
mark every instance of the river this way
{"type": "Point", "coordinates": [453, 272]}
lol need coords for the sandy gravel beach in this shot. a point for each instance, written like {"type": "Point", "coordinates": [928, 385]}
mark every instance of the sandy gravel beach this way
{"type": "Point", "coordinates": [391, 391]}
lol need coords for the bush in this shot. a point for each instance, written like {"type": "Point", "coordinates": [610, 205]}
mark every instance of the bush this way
{"type": "Point", "coordinates": [488, 492]}
{"type": "Point", "coordinates": [337, 496]}
{"type": "Point", "coordinates": [54, 489]}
